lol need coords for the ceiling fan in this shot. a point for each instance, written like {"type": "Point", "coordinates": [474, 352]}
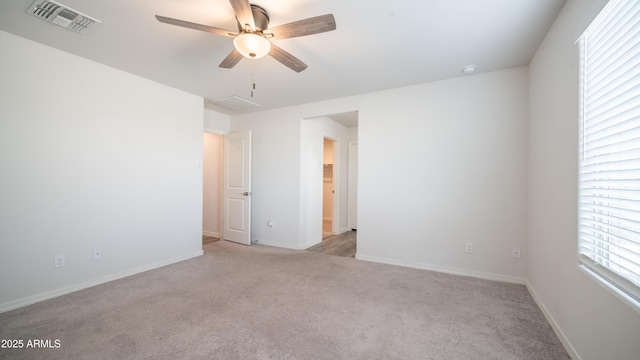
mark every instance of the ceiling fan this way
{"type": "Point", "coordinates": [252, 38]}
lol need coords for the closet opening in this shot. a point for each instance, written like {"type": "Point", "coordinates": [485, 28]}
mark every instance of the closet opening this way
{"type": "Point", "coordinates": [328, 190]}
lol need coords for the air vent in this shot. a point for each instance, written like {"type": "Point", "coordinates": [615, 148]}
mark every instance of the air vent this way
{"type": "Point", "coordinates": [234, 103]}
{"type": "Point", "coordinates": [62, 15]}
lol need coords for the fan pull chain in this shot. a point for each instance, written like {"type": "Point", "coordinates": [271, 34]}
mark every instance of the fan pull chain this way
{"type": "Point", "coordinates": [253, 79]}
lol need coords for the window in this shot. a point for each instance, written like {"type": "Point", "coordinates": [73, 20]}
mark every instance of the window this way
{"type": "Point", "coordinates": [609, 179]}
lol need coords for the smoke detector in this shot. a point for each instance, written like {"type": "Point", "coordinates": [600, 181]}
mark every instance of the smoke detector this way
{"type": "Point", "coordinates": [469, 69]}
{"type": "Point", "coordinates": [62, 15]}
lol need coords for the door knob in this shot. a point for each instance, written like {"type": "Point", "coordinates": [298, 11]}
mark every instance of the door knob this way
{"type": "Point", "coordinates": [246, 193]}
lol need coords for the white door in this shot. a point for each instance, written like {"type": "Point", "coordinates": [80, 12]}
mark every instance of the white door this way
{"type": "Point", "coordinates": [236, 202]}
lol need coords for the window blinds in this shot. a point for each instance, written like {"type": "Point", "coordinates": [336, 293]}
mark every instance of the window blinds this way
{"type": "Point", "coordinates": [609, 179]}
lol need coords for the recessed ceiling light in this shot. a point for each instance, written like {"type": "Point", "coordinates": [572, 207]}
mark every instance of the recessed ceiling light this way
{"type": "Point", "coordinates": [469, 69]}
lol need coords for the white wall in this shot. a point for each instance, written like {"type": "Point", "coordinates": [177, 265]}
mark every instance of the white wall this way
{"type": "Point", "coordinates": [449, 155]}
{"type": "Point", "coordinates": [441, 164]}
{"type": "Point", "coordinates": [216, 123]}
{"type": "Point", "coordinates": [311, 180]}
{"type": "Point", "coordinates": [91, 157]}
{"type": "Point", "coordinates": [353, 133]}
{"type": "Point", "coordinates": [592, 321]}
{"type": "Point", "coordinates": [275, 172]}
{"type": "Point", "coordinates": [212, 185]}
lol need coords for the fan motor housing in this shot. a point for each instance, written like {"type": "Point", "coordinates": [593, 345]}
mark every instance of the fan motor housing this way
{"type": "Point", "coordinates": [260, 18]}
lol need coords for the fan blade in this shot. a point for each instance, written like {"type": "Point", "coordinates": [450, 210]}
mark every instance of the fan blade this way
{"type": "Point", "coordinates": [243, 12]}
{"type": "Point", "coordinates": [190, 25]}
{"type": "Point", "coordinates": [287, 59]}
{"type": "Point", "coordinates": [231, 60]}
{"type": "Point", "coordinates": [310, 26]}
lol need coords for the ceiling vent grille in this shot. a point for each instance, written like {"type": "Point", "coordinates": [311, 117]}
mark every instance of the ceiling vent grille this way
{"type": "Point", "coordinates": [62, 15]}
{"type": "Point", "coordinates": [234, 103]}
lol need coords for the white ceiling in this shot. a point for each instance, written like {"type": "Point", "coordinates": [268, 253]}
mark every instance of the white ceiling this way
{"type": "Point", "coordinates": [378, 44]}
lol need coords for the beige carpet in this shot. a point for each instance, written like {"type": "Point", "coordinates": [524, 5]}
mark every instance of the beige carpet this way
{"type": "Point", "coordinates": [257, 302]}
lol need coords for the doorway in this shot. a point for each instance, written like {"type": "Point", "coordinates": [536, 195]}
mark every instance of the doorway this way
{"type": "Point", "coordinates": [211, 187]}
{"type": "Point", "coordinates": [324, 177]}
{"type": "Point", "coordinates": [328, 190]}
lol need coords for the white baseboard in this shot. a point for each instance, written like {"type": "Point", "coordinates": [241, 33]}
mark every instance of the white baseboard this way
{"type": "Point", "coordinates": [278, 244]}
{"type": "Point", "coordinates": [310, 244]}
{"type": "Point", "coordinates": [340, 231]}
{"type": "Point", "coordinates": [15, 304]}
{"type": "Point", "coordinates": [554, 325]}
{"type": "Point", "coordinates": [212, 234]}
{"type": "Point", "coordinates": [443, 269]}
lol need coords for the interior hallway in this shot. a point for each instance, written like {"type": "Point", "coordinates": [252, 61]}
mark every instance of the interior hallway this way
{"type": "Point", "coordinates": [339, 245]}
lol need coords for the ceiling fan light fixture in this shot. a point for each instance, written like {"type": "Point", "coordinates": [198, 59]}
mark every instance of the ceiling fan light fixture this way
{"type": "Point", "coordinates": [251, 45]}
{"type": "Point", "coordinates": [252, 42]}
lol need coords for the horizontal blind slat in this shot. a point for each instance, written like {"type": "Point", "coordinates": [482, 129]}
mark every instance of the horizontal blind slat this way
{"type": "Point", "coordinates": [612, 214]}
{"type": "Point", "coordinates": [629, 230]}
{"type": "Point", "coordinates": [623, 121]}
{"type": "Point", "coordinates": [608, 249]}
{"type": "Point", "coordinates": [625, 130]}
{"type": "Point", "coordinates": [612, 52]}
{"type": "Point", "coordinates": [609, 25]}
{"type": "Point", "coordinates": [626, 85]}
{"type": "Point", "coordinates": [611, 97]}
{"type": "Point", "coordinates": [610, 252]}
{"type": "Point", "coordinates": [611, 152]}
{"type": "Point", "coordinates": [615, 51]}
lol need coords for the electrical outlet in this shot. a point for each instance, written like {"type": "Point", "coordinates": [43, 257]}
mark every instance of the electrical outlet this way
{"type": "Point", "coordinates": [97, 253]}
{"type": "Point", "coordinates": [468, 248]}
{"type": "Point", "coordinates": [516, 252]}
{"type": "Point", "coordinates": [58, 261]}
